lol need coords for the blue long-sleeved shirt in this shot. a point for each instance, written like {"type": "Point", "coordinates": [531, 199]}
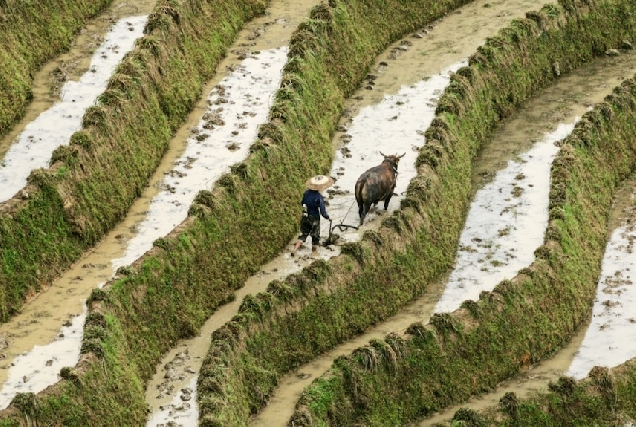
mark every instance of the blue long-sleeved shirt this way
{"type": "Point", "coordinates": [315, 204]}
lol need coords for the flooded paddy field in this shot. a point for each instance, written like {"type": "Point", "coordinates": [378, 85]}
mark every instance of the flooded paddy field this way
{"type": "Point", "coordinates": [47, 334]}
{"type": "Point", "coordinates": [510, 193]}
{"type": "Point", "coordinates": [505, 224]}
{"type": "Point", "coordinates": [403, 88]}
{"type": "Point", "coordinates": [600, 342]}
{"type": "Point", "coordinates": [62, 91]}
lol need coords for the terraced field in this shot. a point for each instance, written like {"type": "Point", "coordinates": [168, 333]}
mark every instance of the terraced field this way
{"type": "Point", "coordinates": [171, 218]}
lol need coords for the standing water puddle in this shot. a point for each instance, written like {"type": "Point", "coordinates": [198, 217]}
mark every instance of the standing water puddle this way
{"type": "Point", "coordinates": [505, 224]}
{"type": "Point", "coordinates": [54, 127]}
{"type": "Point", "coordinates": [94, 269]}
{"type": "Point", "coordinates": [237, 105]}
{"type": "Point", "coordinates": [254, 67]}
{"type": "Point", "coordinates": [280, 408]}
{"type": "Point", "coordinates": [589, 347]}
{"type": "Point", "coordinates": [524, 144]}
{"type": "Point", "coordinates": [613, 316]}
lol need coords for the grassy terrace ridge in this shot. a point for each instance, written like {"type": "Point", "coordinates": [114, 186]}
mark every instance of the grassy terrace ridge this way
{"type": "Point", "coordinates": [170, 292]}
{"type": "Point", "coordinates": [31, 33]}
{"type": "Point", "coordinates": [94, 180]}
{"type": "Point", "coordinates": [328, 302]}
{"type": "Point", "coordinates": [407, 376]}
{"type": "Point", "coordinates": [605, 397]}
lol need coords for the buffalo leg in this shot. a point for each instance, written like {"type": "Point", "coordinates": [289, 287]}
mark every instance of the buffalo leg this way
{"type": "Point", "coordinates": [386, 201]}
{"type": "Point", "coordinates": [361, 211]}
{"type": "Point", "coordinates": [367, 206]}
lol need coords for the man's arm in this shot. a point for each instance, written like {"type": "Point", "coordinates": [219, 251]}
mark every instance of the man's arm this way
{"type": "Point", "coordinates": [323, 210]}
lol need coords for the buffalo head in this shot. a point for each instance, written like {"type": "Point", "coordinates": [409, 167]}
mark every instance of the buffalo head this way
{"type": "Point", "coordinates": [394, 159]}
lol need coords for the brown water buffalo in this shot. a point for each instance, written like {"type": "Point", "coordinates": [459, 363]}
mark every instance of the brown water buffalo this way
{"type": "Point", "coordinates": [377, 184]}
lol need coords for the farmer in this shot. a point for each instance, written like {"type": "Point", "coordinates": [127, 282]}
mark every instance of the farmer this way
{"type": "Point", "coordinates": [313, 206]}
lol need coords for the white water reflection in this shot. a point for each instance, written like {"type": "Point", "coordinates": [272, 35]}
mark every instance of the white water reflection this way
{"type": "Point", "coordinates": [607, 341]}
{"type": "Point", "coordinates": [178, 369]}
{"type": "Point", "coordinates": [238, 105]}
{"type": "Point", "coordinates": [393, 126]}
{"type": "Point", "coordinates": [182, 411]}
{"type": "Point", "coordinates": [505, 224]}
{"type": "Point", "coordinates": [36, 370]}
{"type": "Point", "coordinates": [54, 127]}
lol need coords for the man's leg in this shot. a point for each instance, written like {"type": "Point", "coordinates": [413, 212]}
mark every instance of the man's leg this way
{"type": "Point", "coordinates": [315, 234]}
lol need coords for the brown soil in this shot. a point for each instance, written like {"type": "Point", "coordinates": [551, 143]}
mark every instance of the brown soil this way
{"type": "Point", "coordinates": [567, 98]}
{"type": "Point", "coordinates": [72, 64]}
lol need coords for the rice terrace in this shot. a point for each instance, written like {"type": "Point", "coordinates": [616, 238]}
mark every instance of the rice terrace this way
{"type": "Point", "coordinates": [153, 159]}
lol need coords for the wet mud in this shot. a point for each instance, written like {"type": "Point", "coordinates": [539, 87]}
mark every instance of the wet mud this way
{"type": "Point", "coordinates": [46, 335]}
{"type": "Point", "coordinates": [554, 108]}
{"type": "Point", "coordinates": [417, 58]}
{"type": "Point", "coordinates": [613, 318]}
{"type": "Point", "coordinates": [429, 50]}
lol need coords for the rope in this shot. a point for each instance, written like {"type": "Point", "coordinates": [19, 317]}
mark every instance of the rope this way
{"type": "Point", "coordinates": [354, 201]}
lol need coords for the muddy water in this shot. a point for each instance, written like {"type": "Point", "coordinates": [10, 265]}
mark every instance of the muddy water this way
{"type": "Point", "coordinates": [237, 105]}
{"type": "Point", "coordinates": [393, 126]}
{"type": "Point", "coordinates": [228, 131]}
{"type": "Point", "coordinates": [531, 380]}
{"type": "Point", "coordinates": [397, 101]}
{"type": "Point", "coordinates": [505, 224]}
{"type": "Point", "coordinates": [393, 100]}
{"type": "Point", "coordinates": [62, 90]}
{"type": "Point", "coordinates": [613, 316]}
{"type": "Point", "coordinates": [526, 139]}
{"type": "Point", "coordinates": [53, 127]}
{"type": "Point", "coordinates": [36, 343]}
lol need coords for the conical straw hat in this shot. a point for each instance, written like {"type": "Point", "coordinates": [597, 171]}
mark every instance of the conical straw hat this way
{"type": "Point", "coordinates": [319, 182]}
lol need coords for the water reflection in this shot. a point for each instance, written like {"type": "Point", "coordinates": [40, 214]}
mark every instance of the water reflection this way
{"type": "Point", "coordinates": [54, 127]}
{"type": "Point", "coordinates": [505, 224]}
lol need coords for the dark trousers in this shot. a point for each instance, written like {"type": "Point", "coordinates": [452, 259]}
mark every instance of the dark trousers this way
{"type": "Point", "coordinates": [310, 226]}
